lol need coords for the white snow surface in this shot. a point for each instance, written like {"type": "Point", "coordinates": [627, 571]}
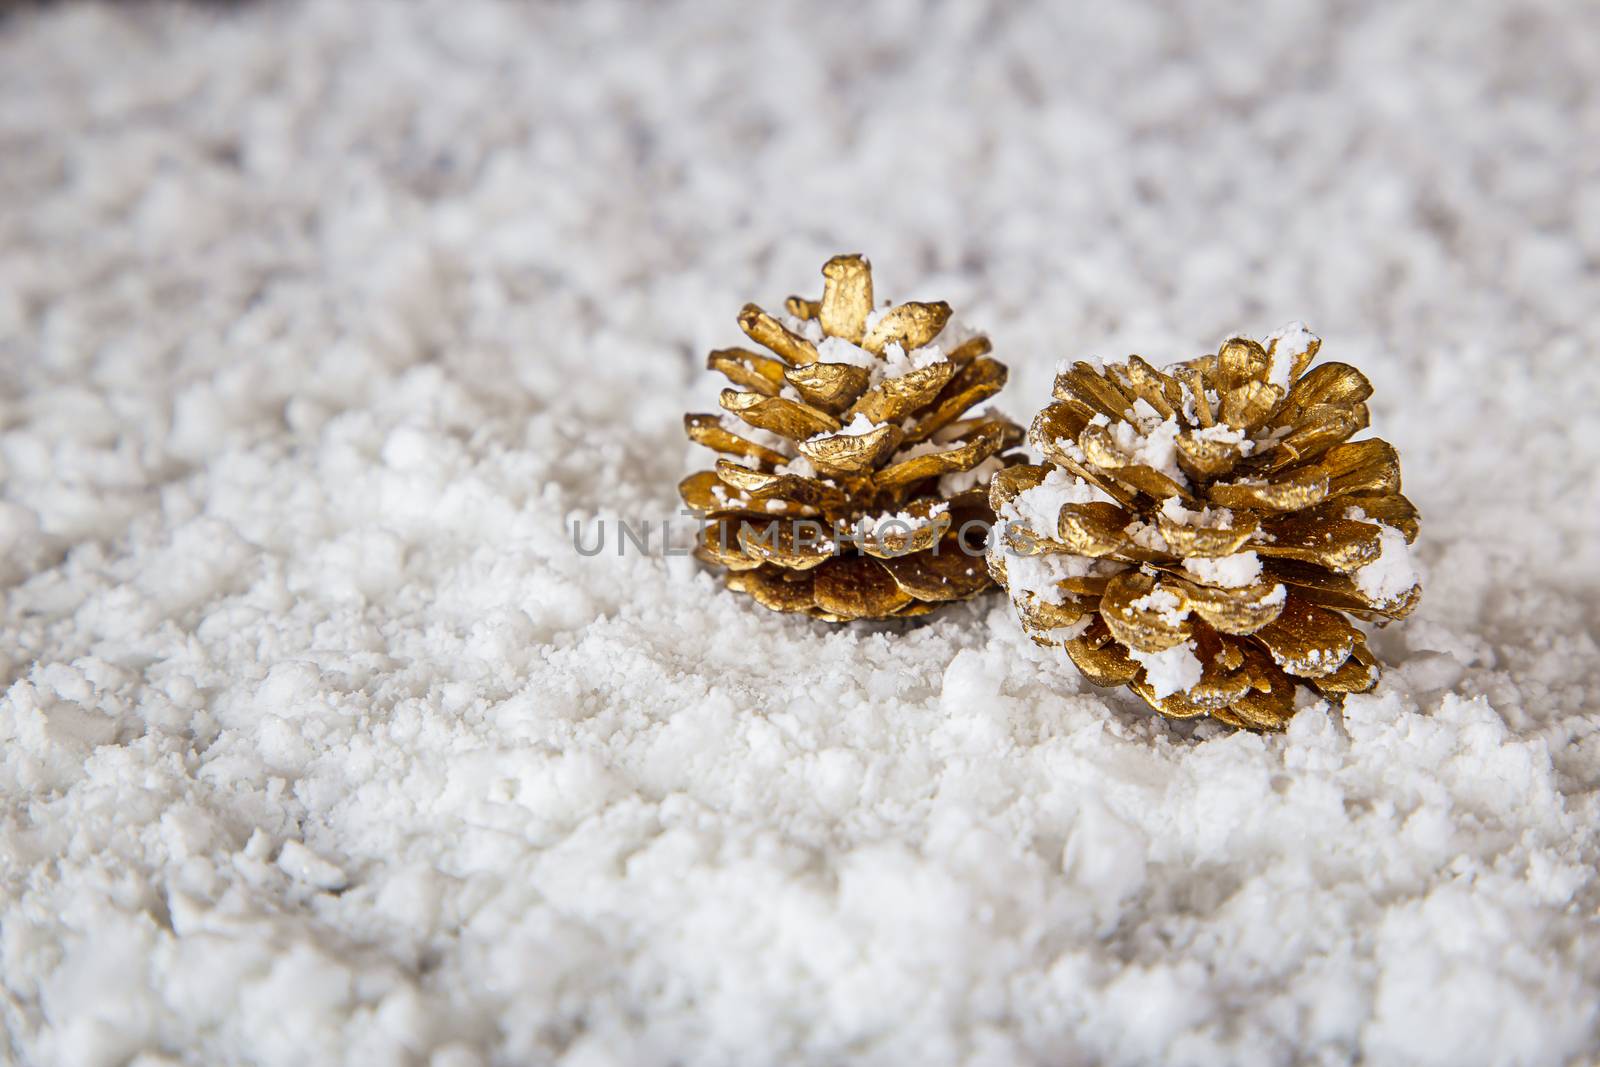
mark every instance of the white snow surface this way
{"type": "Point", "coordinates": [322, 744]}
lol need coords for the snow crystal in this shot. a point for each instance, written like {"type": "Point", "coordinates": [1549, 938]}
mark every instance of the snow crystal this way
{"type": "Point", "coordinates": [1207, 518]}
{"type": "Point", "coordinates": [1153, 443]}
{"type": "Point", "coordinates": [799, 466]}
{"type": "Point", "coordinates": [1146, 535]}
{"type": "Point", "coordinates": [838, 350]}
{"type": "Point", "coordinates": [1292, 340]}
{"type": "Point", "coordinates": [961, 481]}
{"type": "Point", "coordinates": [907, 521]}
{"type": "Point", "coordinates": [859, 426]}
{"type": "Point", "coordinates": [1173, 670]}
{"type": "Point", "coordinates": [1039, 575]}
{"type": "Point", "coordinates": [1039, 508]}
{"type": "Point", "coordinates": [1164, 602]}
{"type": "Point", "coordinates": [1392, 575]}
{"type": "Point", "coordinates": [1222, 433]}
{"type": "Point", "coordinates": [1226, 572]}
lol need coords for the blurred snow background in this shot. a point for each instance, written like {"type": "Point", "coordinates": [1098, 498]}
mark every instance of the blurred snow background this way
{"type": "Point", "coordinates": [321, 744]}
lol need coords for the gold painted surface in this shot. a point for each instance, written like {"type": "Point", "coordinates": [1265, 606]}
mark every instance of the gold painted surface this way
{"type": "Point", "coordinates": [1268, 458]}
{"type": "Point", "coordinates": [754, 494]}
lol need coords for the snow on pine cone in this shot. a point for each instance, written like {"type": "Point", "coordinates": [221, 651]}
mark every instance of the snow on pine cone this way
{"type": "Point", "coordinates": [1201, 533]}
{"type": "Point", "coordinates": [847, 472]}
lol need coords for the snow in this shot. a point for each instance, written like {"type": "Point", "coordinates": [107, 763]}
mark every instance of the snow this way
{"type": "Point", "coordinates": [1285, 344]}
{"type": "Point", "coordinates": [303, 865]}
{"type": "Point", "coordinates": [1207, 518]}
{"type": "Point", "coordinates": [904, 521]}
{"type": "Point", "coordinates": [1392, 575]}
{"type": "Point", "coordinates": [322, 324]}
{"type": "Point", "coordinates": [1039, 575]}
{"type": "Point", "coordinates": [1226, 572]}
{"type": "Point", "coordinates": [1172, 670]}
{"type": "Point", "coordinates": [961, 481]}
{"type": "Point", "coordinates": [898, 361]}
{"type": "Point", "coordinates": [894, 362]}
{"type": "Point", "coordinates": [1039, 508]}
{"type": "Point", "coordinates": [1153, 442]}
{"type": "Point", "coordinates": [921, 448]}
{"type": "Point", "coordinates": [800, 467]}
{"type": "Point", "coordinates": [1147, 535]}
{"type": "Point", "coordinates": [859, 426]}
{"type": "Point", "coordinates": [1164, 602]}
{"type": "Point", "coordinates": [1222, 433]}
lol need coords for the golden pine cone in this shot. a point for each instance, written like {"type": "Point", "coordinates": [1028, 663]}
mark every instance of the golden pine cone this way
{"type": "Point", "coordinates": [846, 471]}
{"type": "Point", "coordinates": [1201, 533]}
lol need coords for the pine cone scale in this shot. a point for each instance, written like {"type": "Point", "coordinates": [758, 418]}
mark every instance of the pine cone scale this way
{"type": "Point", "coordinates": [769, 333]}
{"type": "Point", "coordinates": [846, 298]}
{"type": "Point", "coordinates": [832, 387]}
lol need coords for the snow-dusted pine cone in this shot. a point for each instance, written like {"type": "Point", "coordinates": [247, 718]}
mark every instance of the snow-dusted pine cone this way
{"type": "Point", "coordinates": [1201, 532]}
{"type": "Point", "coordinates": [847, 470]}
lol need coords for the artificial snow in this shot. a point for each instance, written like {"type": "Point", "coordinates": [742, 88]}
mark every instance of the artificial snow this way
{"type": "Point", "coordinates": [859, 426]}
{"type": "Point", "coordinates": [320, 743]}
{"type": "Point", "coordinates": [1151, 442]}
{"type": "Point", "coordinates": [978, 476]}
{"type": "Point", "coordinates": [1207, 518]}
{"type": "Point", "coordinates": [898, 361]}
{"type": "Point", "coordinates": [1164, 602]}
{"type": "Point", "coordinates": [839, 350]}
{"type": "Point", "coordinates": [1226, 572]}
{"type": "Point", "coordinates": [1286, 344]}
{"type": "Point", "coordinates": [800, 467]}
{"type": "Point", "coordinates": [1041, 575]}
{"type": "Point", "coordinates": [893, 363]}
{"type": "Point", "coordinates": [903, 521]}
{"type": "Point", "coordinates": [1146, 535]}
{"type": "Point", "coordinates": [1039, 507]}
{"type": "Point", "coordinates": [1222, 433]}
{"type": "Point", "coordinates": [1392, 575]}
{"type": "Point", "coordinates": [1172, 670]}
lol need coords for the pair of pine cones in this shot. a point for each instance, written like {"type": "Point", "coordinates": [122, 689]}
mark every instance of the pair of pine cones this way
{"type": "Point", "coordinates": [1200, 534]}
